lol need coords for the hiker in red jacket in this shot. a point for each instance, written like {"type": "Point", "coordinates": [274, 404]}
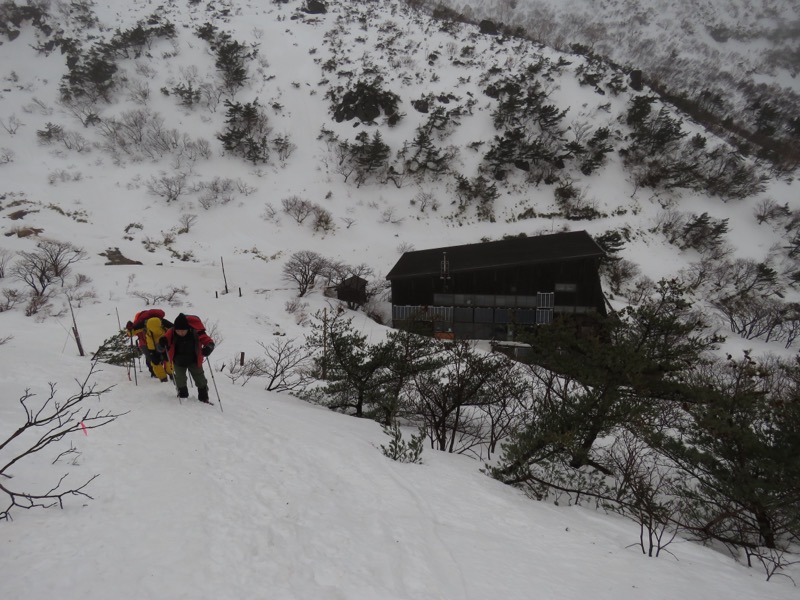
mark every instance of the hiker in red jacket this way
{"type": "Point", "coordinates": [186, 345]}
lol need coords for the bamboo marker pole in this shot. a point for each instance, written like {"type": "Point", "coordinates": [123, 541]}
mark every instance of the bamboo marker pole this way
{"type": "Point", "coordinates": [324, 343]}
{"type": "Point", "coordinates": [75, 328]}
{"type": "Point", "coordinates": [224, 278]}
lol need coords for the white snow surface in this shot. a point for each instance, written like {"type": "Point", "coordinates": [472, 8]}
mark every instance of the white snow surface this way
{"type": "Point", "coordinates": [276, 498]}
{"type": "Point", "coordinates": [265, 496]}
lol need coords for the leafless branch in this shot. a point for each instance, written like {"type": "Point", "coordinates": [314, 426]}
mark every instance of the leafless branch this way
{"type": "Point", "coordinates": [48, 423]}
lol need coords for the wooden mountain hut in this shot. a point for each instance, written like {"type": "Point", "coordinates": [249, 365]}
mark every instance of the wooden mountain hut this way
{"type": "Point", "coordinates": [496, 290]}
{"type": "Point", "coordinates": [352, 290]}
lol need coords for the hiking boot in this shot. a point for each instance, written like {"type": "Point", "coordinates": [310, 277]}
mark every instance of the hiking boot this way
{"type": "Point", "coordinates": [202, 394]}
{"type": "Point", "coordinates": [183, 392]}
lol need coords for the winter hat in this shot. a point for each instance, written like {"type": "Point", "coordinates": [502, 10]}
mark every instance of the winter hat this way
{"type": "Point", "coordinates": [181, 322]}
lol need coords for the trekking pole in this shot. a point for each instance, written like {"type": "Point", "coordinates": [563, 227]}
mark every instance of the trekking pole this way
{"type": "Point", "coordinates": [175, 385]}
{"type": "Point", "coordinates": [172, 377]}
{"type": "Point", "coordinates": [133, 359]}
{"type": "Point", "coordinates": [214, 381]}
{"type": "Point", "coordinates": [133, 363]}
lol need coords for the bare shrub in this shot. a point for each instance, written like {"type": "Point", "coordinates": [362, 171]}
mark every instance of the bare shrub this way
{"type": "Point", "coordinates": [244, 188]}
{"type": "Point", "coordinates": [270, 213]}
{"type": "Point", "coordinates": [212, 95]}
{"type": "Point", "coordinates": [754, 317]}
{"type": "Point", "coordinates": [46, 426]}
{"type": "Point", "coordinates": [303, 268]}
{"type": "Point", "coordinates": [38, 106]}
{"type": "Point", "coordinates": [36, 303]}
{"type": "Point", "coordinates": [9, 298]}
{"type": "Point", "coordinates": [51, 262]}
{"type": "Point", "coordinates": [83, 108]}
{"type": "Point", "coordinates": [299, 310]}
{"type": "Point", "coordinates": [620, 273]}
{"type": "Point", "coordinates": [297, 208]}
{"type": "Point", "coordinates": [742, 277]}
{"type": "Point", "coordinates": [166, 186]}
{"type": "Point", "coordinates": [73, 140]}
{"type": "Point", "coordinates": [333, 272]}
{"type": "Point", "coordinates": [140, 134]}
{"type": "Point", "coordinates": [389, 215]}
{"type": "Point", "coordinates": [425, 200]}
{"type": "Point", "coordinates": [243, 372]}
{"type": "Point", "coordinates": [671, 223]}
{"type": "Point", "coordinates": [11, 124]}
{"type": "Point", "coordinates": [186, 222]}
{"type": "Point", "coordinates": [283, 366]}
{"type": "Point", "coordinates": [79, 291]}
{"type": "Point", "coordinates": [145, 70]}
{"type": "Point", "coordinates": [5, 258]}
{"type": "Point", "coordinates": [190, 151]}
{"type": "Point", "coordinates": [644, 491]}
{"type": "Point", "coordinates": [172, 296]}
{"type": "Point", "coordinates": [138, 91]}
{"type": "Point", "coordinates": [219, 190]}
{"type": "Point", "coordinates": [150, 244]}
{"type": "Point", "coordinates": [63, 176]}
{"type": "Point", "coordinates": [768, 211]}
{"type": "Point", "coordinates": [323, 220]}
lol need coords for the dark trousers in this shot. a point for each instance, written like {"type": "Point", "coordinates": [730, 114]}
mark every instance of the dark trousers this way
{"type": "Point", "coordinates": [197, 373]}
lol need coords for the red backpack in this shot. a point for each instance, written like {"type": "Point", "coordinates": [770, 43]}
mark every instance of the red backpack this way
{"type": "Point", "coordinates": [141, 317]}
{"type": "Point", "coordinates": [195, 323]}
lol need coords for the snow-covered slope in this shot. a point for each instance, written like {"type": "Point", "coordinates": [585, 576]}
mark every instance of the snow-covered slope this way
{"type": "Point", "coordinates": [749, 40]}
{"type": "Point", "coordinates": [274, 497]}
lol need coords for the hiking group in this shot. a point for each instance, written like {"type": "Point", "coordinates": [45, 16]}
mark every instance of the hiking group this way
{"type": "Point", "coordinates": [173, 350]}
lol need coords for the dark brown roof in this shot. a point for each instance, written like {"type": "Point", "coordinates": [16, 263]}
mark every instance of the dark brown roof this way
{"type": "Point", "coordinates": [504, 253]}
{"type": "Point", "coordinates": [353, 282]}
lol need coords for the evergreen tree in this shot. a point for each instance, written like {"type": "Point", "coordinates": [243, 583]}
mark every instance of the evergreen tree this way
{"type": "Point", "coordinates": [369, 157]}
{"type": "Point", "coordinates": [625, 370]}
{"type": "Point", "coordinates": [117, 350]}
{"type": "Point", "coordinates": [424, 156]}
{"type": "Point", "coordinates": [247, 133]}
{"type": "Point", "coordinates": [352, 368]}
{"type": "Point", "coordinates": [739, 453]}
{"type": "Point", "coordinates": [408, 355]}
{"type": "Point", "coordinates": [90, 77]}
{"type": "Point", "coordinates": [598, 147]}
{"type": "Point", "coordinates": [231, 62]}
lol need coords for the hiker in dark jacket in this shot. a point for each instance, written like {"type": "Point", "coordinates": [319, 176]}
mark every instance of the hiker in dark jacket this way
{"type": "Point", "coordinates": [186, 345]}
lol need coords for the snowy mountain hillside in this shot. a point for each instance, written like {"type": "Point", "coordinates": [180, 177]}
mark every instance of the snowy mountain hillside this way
{"type": "Point", "coordinates": [730, 64]}
{"type": "Point", "coordinates": [478, 137]}
{"type": "Point", "coordinates": [179, 155]}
